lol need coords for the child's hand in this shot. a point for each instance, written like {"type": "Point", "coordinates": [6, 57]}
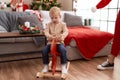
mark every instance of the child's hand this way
{"type": "Point", "coordinates": [54, 35]}
{"type": "Point", "coordinates": [59, 39]}
{"type": "Point", "coordinates": [51, 37]}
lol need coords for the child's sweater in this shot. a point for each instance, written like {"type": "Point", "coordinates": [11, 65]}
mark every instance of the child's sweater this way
{"type": "Point", "coordinates": [59, 29]}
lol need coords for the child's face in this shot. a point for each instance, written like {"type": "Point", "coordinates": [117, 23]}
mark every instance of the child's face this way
{"type": "Point", "coordinates": [55, 18]}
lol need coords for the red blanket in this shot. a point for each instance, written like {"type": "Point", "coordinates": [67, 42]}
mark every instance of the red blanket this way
{"type": "Point", "coordinates": [89, 41]}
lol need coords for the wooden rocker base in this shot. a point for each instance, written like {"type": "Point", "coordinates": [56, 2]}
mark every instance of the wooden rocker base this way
{"type": "Point", "coordinates": [57, 73]}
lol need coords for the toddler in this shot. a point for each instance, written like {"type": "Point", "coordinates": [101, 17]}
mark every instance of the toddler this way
{"type": "Point", "coordinates": [56, 29]}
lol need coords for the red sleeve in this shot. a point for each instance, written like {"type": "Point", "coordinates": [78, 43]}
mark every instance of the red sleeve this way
{"type": "Point", "coordinates": [103, 3]}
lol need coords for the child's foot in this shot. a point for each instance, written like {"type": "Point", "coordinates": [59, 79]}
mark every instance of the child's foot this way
{"type": "Point", "coordinates": [45, 69]}
{"type": "Point", "coordinates": [64, 69]}
{"type": "Point", "coordinates": [105, 65]}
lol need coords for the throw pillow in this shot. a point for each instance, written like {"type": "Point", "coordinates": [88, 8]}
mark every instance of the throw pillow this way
{"type": "Point", "coordinates": [4, 20]}
{"type": "Point", "coordinates": [34, 21]}
{"type": "Point", "coordinates": [63, 12]}
{"type": "Point", "coordinates": [72, 20]}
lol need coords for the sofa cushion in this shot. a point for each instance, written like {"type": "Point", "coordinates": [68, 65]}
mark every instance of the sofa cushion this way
{"type": "Point", "coordinates": [4, 20]}
{"type": "Point", "coordinates": [2, 29]}
{"type": "Point", "coordinates": [72, 20]}
{"type": "Point", "coordinates": [32, 19]}
{"type": "Point", "coordinates": [72, 43]}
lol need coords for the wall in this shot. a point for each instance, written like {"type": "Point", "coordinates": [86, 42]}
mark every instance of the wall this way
{"type": "Point", "coordinates": [66, 4]}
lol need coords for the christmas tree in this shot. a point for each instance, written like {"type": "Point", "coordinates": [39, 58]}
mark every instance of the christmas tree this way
{"type": "Point", "coordinates": [35, 4]}
{"type": "Point", "coordinates": [45, 4]}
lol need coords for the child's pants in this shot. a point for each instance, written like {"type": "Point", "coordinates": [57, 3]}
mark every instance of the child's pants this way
{"type": "Point", "coordinates": [60, 49]}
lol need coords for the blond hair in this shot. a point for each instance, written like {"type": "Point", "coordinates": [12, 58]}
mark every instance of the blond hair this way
{"type": "Point", "coordinates": [54, 11]}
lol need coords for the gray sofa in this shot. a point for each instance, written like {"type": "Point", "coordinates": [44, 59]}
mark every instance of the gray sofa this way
{"type": "Point", "coordinates": [17, 46]}
{"type": "Point", "coordinates": [25, 46]}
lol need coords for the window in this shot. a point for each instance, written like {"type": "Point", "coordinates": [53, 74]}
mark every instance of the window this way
{"type": "Point", "coordinates": [103, 18]}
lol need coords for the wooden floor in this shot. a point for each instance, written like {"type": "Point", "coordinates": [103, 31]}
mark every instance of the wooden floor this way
{"type": "Point", "coordinates": [79, 70]}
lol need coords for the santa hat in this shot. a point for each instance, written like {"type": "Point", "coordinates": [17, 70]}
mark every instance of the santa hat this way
{"type": "Point", "coordinates": [100, 5]}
